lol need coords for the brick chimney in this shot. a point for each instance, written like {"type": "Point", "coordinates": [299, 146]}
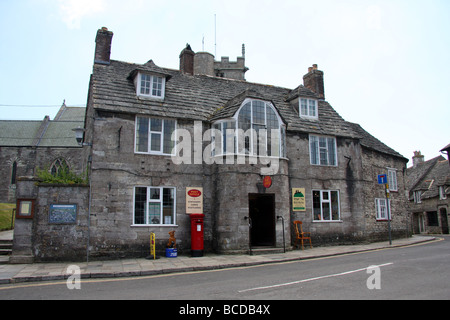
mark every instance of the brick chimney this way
{"type": "Point", "coordinates": [187, 60]}
{"type": "Point", "coordinates": [313, 80]}
{"type": "Point", "coordinates": [417, 158]}
{"type": "Point", "coordinates": [103, 46]}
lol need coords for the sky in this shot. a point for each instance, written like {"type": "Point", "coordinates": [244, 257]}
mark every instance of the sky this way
{"type": "Point", "coordinates": [386, 63]}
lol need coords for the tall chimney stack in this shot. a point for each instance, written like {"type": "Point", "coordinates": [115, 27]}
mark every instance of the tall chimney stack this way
{"type": "Point", "coordinates": [417, 158]}
{"type": "Point", "coordinates": [103, 46]}
{"type": "Point", "coordinates": [313, 80]}
{"type": "Point", "coordinates": [187, 60]}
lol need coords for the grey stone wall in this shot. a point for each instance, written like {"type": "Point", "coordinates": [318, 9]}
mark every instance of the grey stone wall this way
{"type": "Point", "coordinates": [28, 159]}
{"type": "Point", "coordinates": [54, 241]}
{"type": "Point", "coordinates": [374, 164]}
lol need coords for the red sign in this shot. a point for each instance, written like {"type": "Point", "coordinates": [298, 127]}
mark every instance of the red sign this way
{"type": "Point", "coordinates": [267, 182]}
{"type": "Point", "coordinates": [194, 193]}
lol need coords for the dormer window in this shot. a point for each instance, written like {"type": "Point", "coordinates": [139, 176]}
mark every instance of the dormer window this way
{"type": "Point", "coordinates": [308, 108]}
{"type": "Point", "coordinates": [149, 81]}
{"type": "Point", "coordinates": [150, 86]}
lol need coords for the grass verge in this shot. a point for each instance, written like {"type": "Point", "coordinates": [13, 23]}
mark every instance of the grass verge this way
{"type": "Point", "coordinates": [6, 215]}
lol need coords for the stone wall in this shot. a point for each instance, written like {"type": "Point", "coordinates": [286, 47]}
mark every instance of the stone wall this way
{"type": "Point", "coordinates": [374, 164]}
{"type": "Point", "coordinates": [28, 159]}
{"type": "Point", "coordinates": [346, 178]}
{"type": "Point", "coordinates": [61, 241]}
{"type": "Point", "coordinates": [38, 239]}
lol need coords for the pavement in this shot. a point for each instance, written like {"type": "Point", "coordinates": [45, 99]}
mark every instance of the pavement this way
{"type": "Point", "coordinates": [18, 273]}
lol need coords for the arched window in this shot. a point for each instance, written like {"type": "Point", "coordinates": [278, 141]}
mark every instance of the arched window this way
{"type": "Point", "coordinates": [259, 131]}
{"type": "Point", "coordinates": [58, 166]}
{"type": "Point", "coordinates": [14, 173]}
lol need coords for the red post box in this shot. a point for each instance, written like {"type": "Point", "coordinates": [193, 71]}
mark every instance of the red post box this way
{"type": "Point", "coordinates": [197, 235]}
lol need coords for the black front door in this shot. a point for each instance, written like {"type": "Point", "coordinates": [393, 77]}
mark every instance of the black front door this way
{"type": "Point", "coordinates": [262, 214]}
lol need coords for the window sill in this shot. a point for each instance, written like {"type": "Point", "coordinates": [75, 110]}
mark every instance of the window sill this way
{"type": "Point", "coordinates": [153, 225]}
{"type": "Point", "coordinates": [244, 156]}
{"type": "Point", "coordinates": [150, 98]}
{"type": "Point", "coordinates": [324, 165]}
{"type": "Point", "coordinates": [155, 154]}
{"type": "Point", "coordinates": [327, 221]}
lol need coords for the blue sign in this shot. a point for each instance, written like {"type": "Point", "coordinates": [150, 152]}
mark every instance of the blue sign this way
{"type": "Point", "coordinates": [382, 179]}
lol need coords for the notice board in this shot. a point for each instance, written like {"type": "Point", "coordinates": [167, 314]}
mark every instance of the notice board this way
{"type": "Point", "coordinates": [194, 200]}
{"type": "Point", "coordinates": [298, 199]}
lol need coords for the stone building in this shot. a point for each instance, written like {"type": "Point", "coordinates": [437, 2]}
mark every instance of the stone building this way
{"type": "Point", "coordinates": [152, 132]}
{"type": "Point", "coordinates": [27, 145]}
{"type": "Point", "coordinates": [429, 193]}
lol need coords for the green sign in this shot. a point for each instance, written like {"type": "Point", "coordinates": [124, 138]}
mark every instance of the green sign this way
{"type": "Point", "coordinates": [298, 199]}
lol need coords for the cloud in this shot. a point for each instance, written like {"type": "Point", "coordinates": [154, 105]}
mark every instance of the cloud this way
{"type": "Point", "coordinates": [73, 11]}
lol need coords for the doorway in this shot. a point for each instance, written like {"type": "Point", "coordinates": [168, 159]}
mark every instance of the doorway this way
{"type": "Point", "coordinates": [262, 214]}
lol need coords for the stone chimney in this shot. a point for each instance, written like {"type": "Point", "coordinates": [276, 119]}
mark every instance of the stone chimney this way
{"type": "Point", "coordinates": [103, 46]}
{"type": "Point", "coordinates": [187, 60]}
{"type": "Point", "coordinates": [313, 80]}
{"type": "Point", "coordinates": [417, 158]}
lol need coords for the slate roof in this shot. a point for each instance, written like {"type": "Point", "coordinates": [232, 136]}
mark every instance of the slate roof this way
{"type": "Point", "coordinates": [45, 133]}
{"type": "Point", "coordinates": [18, 133]}
{"type": "Point", "coordinates": [428, 176]}
{"type": "Point", "coordinates": [208, 98]}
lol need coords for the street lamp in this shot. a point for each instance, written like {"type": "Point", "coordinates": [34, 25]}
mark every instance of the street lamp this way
{"type": "Point", "coordinates": [79, 134]}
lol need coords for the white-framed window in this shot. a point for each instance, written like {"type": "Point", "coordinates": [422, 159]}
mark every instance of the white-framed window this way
{"type": "Point", "coordinates": [224, 137]}
{"type": "Point", "coordinates": [152, 86]}
{"type": "Point", "coordinates": [154, 206]}
{"type": "Point", "coordinates": [308, 108]}
{"type": "Point", "coordinates": [154, 136]}
{"type": "Point", "coordinates": [417, 196]}
{"type": "Point", "coordinates": [255, 130]}
{"type": "Point", "coordinates": [381, 205]}
{"type": "Point", "coordinates": [323, 150]}
{"type": "Point", "coordinates": [326, 205]}
{"type": "Point", "coordinates": [442, 194]}
{"type": "Point", "coordinates": [392, 179]}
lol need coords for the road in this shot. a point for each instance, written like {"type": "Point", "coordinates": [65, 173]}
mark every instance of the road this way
{"type": "Point", "coordinates": [414, 272]}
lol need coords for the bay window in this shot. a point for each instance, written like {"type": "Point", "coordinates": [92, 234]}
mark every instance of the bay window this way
{"type": "Point", "coordinates": [255, 130]}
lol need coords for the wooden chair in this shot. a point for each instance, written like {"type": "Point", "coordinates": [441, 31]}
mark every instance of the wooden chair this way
{"type": "Point", "coordinates": [300, 235]}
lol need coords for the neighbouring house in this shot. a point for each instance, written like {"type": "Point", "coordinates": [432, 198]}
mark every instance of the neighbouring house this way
{"type": "Point", "coordinates": [429, 193]}
{"type": "Point", "coordinates": [255, 152]}
{"type": "Point", "coordinates": [27, 145]}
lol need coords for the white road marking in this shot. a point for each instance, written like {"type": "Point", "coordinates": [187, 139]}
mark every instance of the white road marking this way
{"type": "Point", "coordinates": [313, 279]}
